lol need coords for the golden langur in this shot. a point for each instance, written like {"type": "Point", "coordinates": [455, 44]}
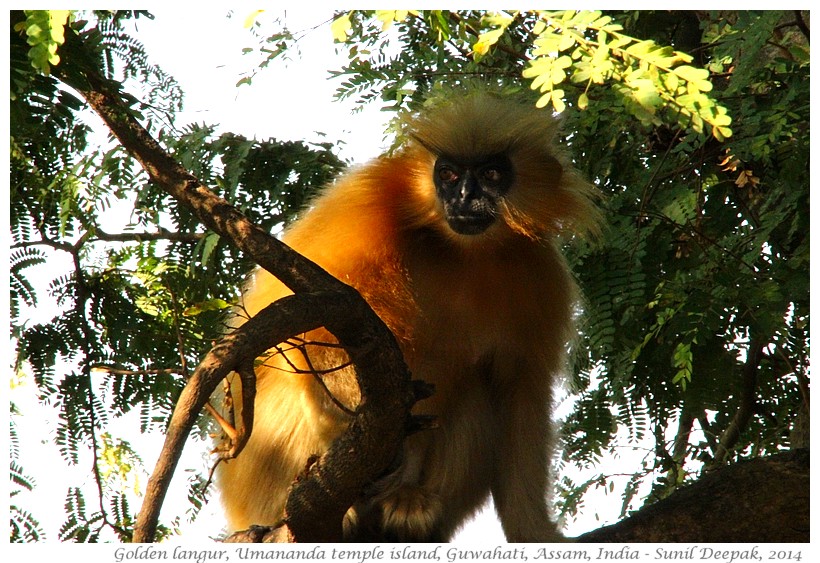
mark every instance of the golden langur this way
{"type": "Point", "coordinates": [453, 241]}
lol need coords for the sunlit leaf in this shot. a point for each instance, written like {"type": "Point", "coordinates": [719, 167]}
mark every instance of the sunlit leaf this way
{"type": "Point", "coordinates": [341, 27]}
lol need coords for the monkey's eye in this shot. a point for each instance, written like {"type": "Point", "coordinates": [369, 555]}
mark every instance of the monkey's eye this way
{"type": "Point", "coordinates": [492, 174]}
{"type": "Point", "coordinates": [447, 175]}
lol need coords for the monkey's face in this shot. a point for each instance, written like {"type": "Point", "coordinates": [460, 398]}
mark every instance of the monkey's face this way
{"type": "Point", "coordinates": [470, 191]}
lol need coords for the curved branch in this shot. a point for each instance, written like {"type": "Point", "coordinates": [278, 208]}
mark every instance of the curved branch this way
{"type": "Point", "coordinates": [277, 321]}
{"type": "Point", "coordinates": [314, 510]}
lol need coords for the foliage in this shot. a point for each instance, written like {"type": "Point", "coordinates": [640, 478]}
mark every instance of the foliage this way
{"type": "Point", "coordinates": [143, 288]}
{"type": "Point", "coordinates": [705, 255]}
{"type": "Point", "coordinates": [698, 289]}
{"type": "Point", "coordinates": [693, 277]}
{"type": "Point", "coordinates": [23, 526]}
{"type": "Point", "coordinates": [586, 47]}
{"type": "Point", "coordinates": [45, 33]}
{"type": "Point", "coordinates": [649, 75]}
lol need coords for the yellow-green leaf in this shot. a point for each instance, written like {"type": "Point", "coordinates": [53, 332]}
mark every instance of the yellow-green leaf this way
{"type": "Point", "coordinates": [567, 41]}
{"type": "Point", "coordinates": [340, 27]}
{"type": "Point", "coordinates": [691, 73]}
{"type": "Point", "coordinates": [558, 100]}
{"type": "Point", "coordinates": [721, 133]}
{"type": "Point", "coordinates": [487, 40]}
{"type": "Point", "coordinates": [251, 19]}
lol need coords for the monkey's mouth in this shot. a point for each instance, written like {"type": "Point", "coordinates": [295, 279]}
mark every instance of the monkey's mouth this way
{"type": "Point", "coordinates": [470, 224]}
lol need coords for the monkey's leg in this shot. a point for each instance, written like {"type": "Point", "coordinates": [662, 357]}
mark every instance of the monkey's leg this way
{"type": "Point", "coordinates": [445, 472]}
{"type": "Point", "coordinates": [399, 508]}
{"type": "Point", "coordinates": [521, 480]}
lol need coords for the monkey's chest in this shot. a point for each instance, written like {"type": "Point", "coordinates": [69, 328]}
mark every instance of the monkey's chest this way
{"type": "Point", "coordinates": [475, 314]}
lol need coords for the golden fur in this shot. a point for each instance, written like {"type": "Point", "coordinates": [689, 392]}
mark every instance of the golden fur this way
{"type": "Point", "coordinates": [486, 318]}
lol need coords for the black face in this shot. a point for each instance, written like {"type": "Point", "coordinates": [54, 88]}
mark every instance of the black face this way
{"type": "Point", "coordinates": [470, 191]}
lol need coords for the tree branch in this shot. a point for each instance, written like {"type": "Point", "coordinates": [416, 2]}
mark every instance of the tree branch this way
{"type": "Point", "coordinates": [143, 237]}
{"type": "Point", "coordinates": [756, 501]}
{"type": "Point", "coordinates": [314, 510]}
{"type": "Point", "coordinates": [121, 371]}
{"type": "Point", "coordinates": [745, 409]}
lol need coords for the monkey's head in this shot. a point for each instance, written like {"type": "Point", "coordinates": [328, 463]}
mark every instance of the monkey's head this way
{"type": "Point", "coordinates": [489, 167]}
{"type": "Point", "coordinates": [470, 189]}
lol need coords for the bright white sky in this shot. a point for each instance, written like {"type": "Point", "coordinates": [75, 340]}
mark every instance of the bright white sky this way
{"type": "Point", "coordinates": [290, 100]}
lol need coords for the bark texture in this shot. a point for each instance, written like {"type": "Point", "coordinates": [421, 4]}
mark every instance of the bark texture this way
{"type": "Point", "coordinates": [757, 501]}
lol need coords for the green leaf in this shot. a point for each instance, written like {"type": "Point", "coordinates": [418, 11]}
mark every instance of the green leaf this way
{"type": "Point", "coordinates": [209, 305]}
{"type": "Point", "coordinates": [45, 30]}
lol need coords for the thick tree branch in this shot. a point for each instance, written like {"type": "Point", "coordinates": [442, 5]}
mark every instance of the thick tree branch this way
{"type": "Point", "coordinates": [756, 501]}
{"type": "Point", "coordinates": [364, 452]}
{"type": "Point", "coordinates": [277, 322]}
